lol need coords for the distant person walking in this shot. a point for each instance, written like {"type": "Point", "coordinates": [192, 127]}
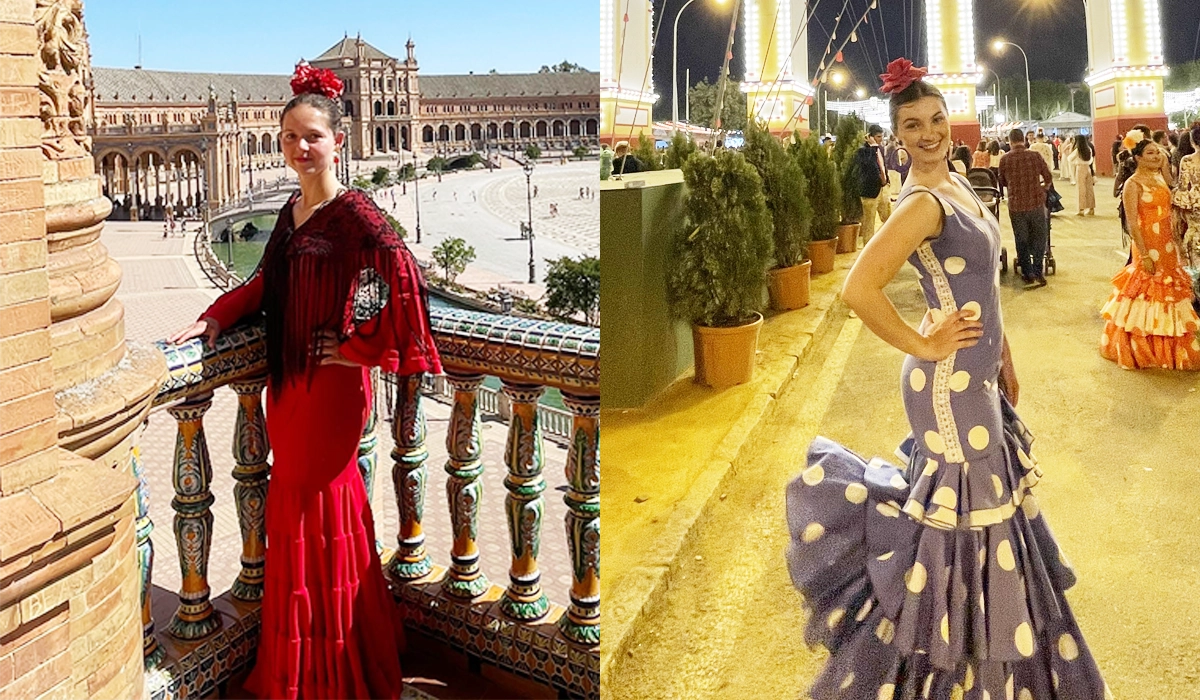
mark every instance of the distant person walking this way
{"type": "Point", "coordinates": [1084, 179]}
{"type": "Point", "coordinates": [1027, 178]}
{"type": "Point", "coordinates": [981, 158]}
{"type": "Point", "coordinates": [872, 182]}
{"type": "Point", "coordinates": [1187, 197]}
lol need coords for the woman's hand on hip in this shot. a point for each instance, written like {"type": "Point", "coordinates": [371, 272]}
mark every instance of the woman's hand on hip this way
{"type": "Point", "coordinates": [952, 333]}
{"type": "Point", "coordinates": [206, 327]}
{"type": "Point", "coordinates": [328, 349]}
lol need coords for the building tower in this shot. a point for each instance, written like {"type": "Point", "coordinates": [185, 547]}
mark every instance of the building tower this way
{"type": "Point", "coordinates": [626, 82]}
{"type": "Point", "coordinates": [1126, 58]}
{"type": "Point", "coordinates": [773, 92]}
{"type": "Point", "coordinates": [950, 26]}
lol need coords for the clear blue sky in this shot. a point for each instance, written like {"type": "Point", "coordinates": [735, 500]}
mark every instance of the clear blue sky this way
{"type": "Point", "coordinates": [269, 36]}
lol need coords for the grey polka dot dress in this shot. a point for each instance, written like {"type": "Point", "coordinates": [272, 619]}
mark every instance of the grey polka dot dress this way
{"type": "Point", "coordinates": [941, 580]}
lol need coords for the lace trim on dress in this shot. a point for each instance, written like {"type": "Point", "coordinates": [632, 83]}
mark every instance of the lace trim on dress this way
{"type": "Point", "coordinates": [944, 369]}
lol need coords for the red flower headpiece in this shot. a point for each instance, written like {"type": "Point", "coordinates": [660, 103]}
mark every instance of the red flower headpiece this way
{"type": "Point", "coordinates": [900, 74]}
{"type": "Point", "coordinates": [318, 80]}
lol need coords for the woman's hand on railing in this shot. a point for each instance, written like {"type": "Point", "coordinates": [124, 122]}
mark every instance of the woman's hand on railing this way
{"type": "Point", "coordinates": [206, 327]}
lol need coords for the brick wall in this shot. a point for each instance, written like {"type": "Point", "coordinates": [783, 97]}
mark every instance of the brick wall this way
{"type": "Point", "coordinates": [70, 619]}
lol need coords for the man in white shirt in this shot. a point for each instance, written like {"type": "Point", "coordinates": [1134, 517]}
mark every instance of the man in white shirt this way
{"type": "Point", "coordinates": [1045, 150]}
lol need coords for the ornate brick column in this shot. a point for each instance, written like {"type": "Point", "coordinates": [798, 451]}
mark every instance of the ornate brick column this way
{"type": "Point", "coordinates": [70, 622]}
{"type": "Point", "coordinates": [100, 402]}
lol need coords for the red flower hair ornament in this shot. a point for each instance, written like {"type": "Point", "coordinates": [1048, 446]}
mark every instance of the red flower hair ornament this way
{"type": "Point", "coordinates": [318, 80]}
{"type": "Point", "coordinates": [900, 74]}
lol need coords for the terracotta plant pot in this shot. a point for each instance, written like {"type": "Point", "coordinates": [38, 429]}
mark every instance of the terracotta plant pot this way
{"type": "Point", "coordinates": [821, 254]}
{"type": "Point", "coordinates": [725, 356]}
{"type": "Point", "coordinates": [789, 286]}
{"type": "Point", "coordinates": [847, 236]}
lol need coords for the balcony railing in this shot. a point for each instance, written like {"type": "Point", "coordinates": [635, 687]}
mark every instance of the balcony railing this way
{"type": "Point", "coordinates": [454, 603]}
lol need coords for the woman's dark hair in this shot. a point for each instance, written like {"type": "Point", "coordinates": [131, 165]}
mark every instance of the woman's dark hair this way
{"type": "Point", "coordinates": [994, 148]}
{"type": "Point", "coordinates": [1145, 130]}
{"type": "Point", "coordinates": [912, 93]}
{"type": "Point", "coordinates": [1195, 131]}
{"type": "Point", "coordinates": [1140, 147]}
{"type": "Point", "coordinates": [1083, 149]}
{"type": "Point", "coordinates": [330, 108]}
{"type": "Point", "coordinates": [1185, 147]}
{"type": "Point", "coordinates": [1173, 139]}
{"type": "Point", "coordinates": [963, 154]}
{"type": "Point", "coordinates": [983, 146]}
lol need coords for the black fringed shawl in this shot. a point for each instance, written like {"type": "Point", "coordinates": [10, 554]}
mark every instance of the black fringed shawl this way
{"type": "Point", "coordinates": [341, 271]}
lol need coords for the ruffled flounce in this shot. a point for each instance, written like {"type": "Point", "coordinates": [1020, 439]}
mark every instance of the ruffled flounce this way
{"type": "Point", "coordinates": [329, 627]}
{"type": "Point", "coordinates": [974, 494]}
{"type": "Point", "coordinates": [1147, 304]}
{"type": "Point", "coordinates": [911, 611]}
{"type": "Point", "coordinates": [1140, 351]}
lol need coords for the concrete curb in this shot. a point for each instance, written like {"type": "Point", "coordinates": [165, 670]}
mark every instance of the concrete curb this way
{"type": "Point", "coordinates": [639, 593]}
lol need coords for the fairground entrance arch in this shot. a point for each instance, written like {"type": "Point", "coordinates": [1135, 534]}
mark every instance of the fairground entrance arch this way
{"type": "Point", "coordinates": [1125, 65]}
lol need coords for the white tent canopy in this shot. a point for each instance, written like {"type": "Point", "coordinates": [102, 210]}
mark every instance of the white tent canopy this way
{"type": "Point", "coordinates": [1066, 120]}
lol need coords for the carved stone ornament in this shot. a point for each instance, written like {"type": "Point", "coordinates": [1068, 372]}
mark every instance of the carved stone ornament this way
{"type": "Point", "coordinates": [64, 80]}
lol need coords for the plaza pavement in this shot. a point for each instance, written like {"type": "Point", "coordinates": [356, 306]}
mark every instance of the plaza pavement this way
{"type": "Point", "coordinates": [486, 209]}
{"type": "Point", "coordinates": [701, 605]}
{"type": "Point", "coordinates": [163, 290]}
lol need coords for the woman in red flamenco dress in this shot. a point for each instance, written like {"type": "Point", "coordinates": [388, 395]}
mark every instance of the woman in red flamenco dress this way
{"type": "Point", "coordinates": [341, 293]}
{"type": "Point", "coordinates": [1149, 317]}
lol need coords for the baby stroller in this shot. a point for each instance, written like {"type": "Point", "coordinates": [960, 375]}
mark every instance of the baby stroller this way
{"type": "Point", "coordinates": [983, 181]}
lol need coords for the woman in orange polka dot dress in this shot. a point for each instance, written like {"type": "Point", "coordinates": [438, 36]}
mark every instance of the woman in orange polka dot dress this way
{"type": "Point", "coordinates": [1149, 317]}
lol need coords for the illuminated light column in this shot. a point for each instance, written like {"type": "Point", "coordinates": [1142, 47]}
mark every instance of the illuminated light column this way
{"type": "Point", "coordinates": [626, 81]}
{"type": "Point", "coordinates": [775, 96]}
{"type": "Point", "coordinates": [1125, 45]}
{"type": "Point", "coordinates": [950, 26]}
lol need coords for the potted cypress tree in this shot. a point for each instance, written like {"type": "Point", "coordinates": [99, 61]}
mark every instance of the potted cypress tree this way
{"type": "Point", "coordinates": [850, 135]}
{"type": "Point", "coordinates": [824, 192]}
{"type": "Point", "coordinates": [718, 265]}
{"type": "Point", "coordinates": [785, 191]}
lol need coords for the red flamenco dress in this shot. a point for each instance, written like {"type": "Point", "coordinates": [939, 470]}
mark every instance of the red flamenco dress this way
{"type": "Point", "coordinates": [329, 626]}
{"type": "Point", "coordinates": [1149, 320]}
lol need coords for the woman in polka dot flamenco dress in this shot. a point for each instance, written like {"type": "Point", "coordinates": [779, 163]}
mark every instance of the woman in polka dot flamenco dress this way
{"type": "Point", "coordinates": [1149, 320]}
{"type": "Point", "coordinates": [941, 580]}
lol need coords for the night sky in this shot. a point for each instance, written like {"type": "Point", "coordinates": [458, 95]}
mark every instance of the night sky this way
{"type": "Point", "coordinates": [1051, 32]}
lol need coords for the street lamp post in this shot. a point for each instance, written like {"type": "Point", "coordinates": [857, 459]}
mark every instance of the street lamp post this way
{"type": "Point", "coordinates": [417, 196]}
{"type": "Point", "coordinates": [528, 167]}
{"type": "Point", "coordinates": [674, 66]}
{"type": "Point", "coordinates": [997, 46]}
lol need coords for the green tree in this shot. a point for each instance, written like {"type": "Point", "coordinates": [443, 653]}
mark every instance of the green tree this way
{"type": "Point", "coordinates": [573, 288]}
{"type": "Point", "coordinates": [564, 67]}
{"type": "Point", "coordinates": [703, 99]}
{"type": "Point", "coordinates": [361, 182]}
{"type": "Point", "coordinates": [823, 186]}
{"type": "Point", "coordinates": [396, 225]}
{"type": "Point", "coordinates": [380, 176]}
{"type": "Point", "coordinates": [850, 137]}
{"type": "Point", "coordinates": [532, 152]}
{"type": "Point", "coordinates": [1050, 98]}
{"type": "Point", "coordinates": [647, 153]}
{"type": "Point", "coordinates": [453, 255]}
{"type": "Point", "coordinates": [581, 152]}
{"type": "Point", "coordinates": [1185, 76]}
{"type": "Point", "coordinates": [719, 257]}
{"type": "Point", "coordinates": [680, 148]}
{"type": "Point", "coordinates": [436, 165]}
{"type": "Point", "coordinates": [785, 190]}
{"type": "Point", "coordinates": [406, 172]}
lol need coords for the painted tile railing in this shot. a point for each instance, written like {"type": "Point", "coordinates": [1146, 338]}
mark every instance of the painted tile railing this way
{"type": "Point", "coordinates": [455, 603]}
